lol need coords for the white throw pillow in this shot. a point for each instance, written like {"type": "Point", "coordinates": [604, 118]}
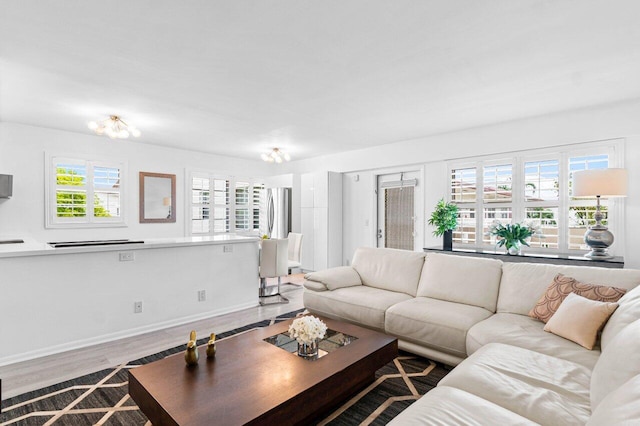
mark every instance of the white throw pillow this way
{"type": "Point", "coordinates": [579, 319]}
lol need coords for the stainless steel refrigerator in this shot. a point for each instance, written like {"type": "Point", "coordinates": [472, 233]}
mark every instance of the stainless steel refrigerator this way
{"type": "Point", "coordinates": [278, 212]}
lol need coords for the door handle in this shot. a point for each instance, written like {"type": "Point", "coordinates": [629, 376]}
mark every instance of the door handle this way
{"type": "Point", "coordinates": [379, 233]}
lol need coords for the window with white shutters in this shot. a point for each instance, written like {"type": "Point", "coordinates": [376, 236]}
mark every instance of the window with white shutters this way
{"type": "Point", "coordinates": [225, 204]}
{"type": "Point", "coordinates": [84, 193]}
{"type": "Point", "coordinates": [532, 187]}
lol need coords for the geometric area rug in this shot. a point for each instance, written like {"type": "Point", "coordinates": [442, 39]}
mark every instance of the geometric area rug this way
{"type": "Point", "coordinates": [102, 398]}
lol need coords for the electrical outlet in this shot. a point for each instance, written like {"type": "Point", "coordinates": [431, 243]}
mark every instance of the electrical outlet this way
{"type": "Point", "coordinates": [227, 248]}
{"type": "Point", "coordinates": [137, 307]}
{"type": "Point", "coordinates": [127, 256]}
{"type": "Point", "coordinates": [202, 295]}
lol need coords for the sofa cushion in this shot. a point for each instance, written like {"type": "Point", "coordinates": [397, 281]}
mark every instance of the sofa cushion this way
{"type": "Point", "coordinates": [542, 388]}
{"type": "Point", "coordinates": [360, 304]}
{"type": "Point", "coordinates": [527, 333]}
{"type": "Point", "coordinates": [619, 363]}
{"type": "Point", "coordinates": [445, 405]}
{"type": "Point", "coordinates": [389, 269]}
{"type": "Point", "coordinates": [561, 286]}
{"type": "Point", "coordinates": [620, 407]}
{"type": "Point", "coordinates": [469, 280]}
{"type": "Point", "coordinates": [628, 311]}
{"type": "Point", "coordinates": [522, 284]}
{"type": "Point", "coordinates": [434, 323]}
{"type": "Point", "coordinates": [580, 319]}
{"type": "Point", "coordinates": [335, 278]}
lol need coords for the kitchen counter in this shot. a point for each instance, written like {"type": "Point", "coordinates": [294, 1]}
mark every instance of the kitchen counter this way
{"type": "Point", "coordinates": [33, 248]}
{"type": "Point", "coordinates": [74, 297]}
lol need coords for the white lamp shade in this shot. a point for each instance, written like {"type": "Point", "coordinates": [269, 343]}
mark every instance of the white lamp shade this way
{"type": "Point", "coordinates": [606, 183]}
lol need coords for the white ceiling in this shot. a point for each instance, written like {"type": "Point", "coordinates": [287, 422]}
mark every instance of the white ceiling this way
{"type": "Point", "coordinates": [236, 77]}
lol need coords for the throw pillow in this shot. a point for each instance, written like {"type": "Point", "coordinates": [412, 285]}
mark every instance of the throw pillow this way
{"type": "Point", "coordinates": [562, 286]}
{"type": "Point", "coordinates": [579, 319]}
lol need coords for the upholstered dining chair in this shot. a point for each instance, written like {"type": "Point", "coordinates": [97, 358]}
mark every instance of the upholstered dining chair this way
{"type": "Point", "coordinates": [273, 263]}
{"type": "Point", "coordinates": [295, 250]}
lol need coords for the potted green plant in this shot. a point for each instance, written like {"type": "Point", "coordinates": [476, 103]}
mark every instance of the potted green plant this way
{"type": "Point", "coordinates": [512, 236]}
{"type": "Point", "coordinates": [445, 219]}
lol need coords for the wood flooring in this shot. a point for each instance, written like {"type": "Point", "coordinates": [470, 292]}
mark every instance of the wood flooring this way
{"type": "Point", "coordinates": [34, 374]}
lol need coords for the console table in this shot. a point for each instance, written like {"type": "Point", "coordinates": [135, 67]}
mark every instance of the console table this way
{"type": "Point", "coordinates": [555, 258]}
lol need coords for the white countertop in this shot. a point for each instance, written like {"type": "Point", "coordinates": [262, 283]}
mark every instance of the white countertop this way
{"type": "Point", "coordinates": [34, 248]}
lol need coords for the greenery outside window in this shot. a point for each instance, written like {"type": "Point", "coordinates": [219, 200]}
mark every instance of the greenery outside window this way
{"type": "Point", "coordinates": [84, 193]}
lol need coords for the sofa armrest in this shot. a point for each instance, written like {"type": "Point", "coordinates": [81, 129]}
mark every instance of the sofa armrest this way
{"type": "Point", "coordinates": [333, 278]}
{"type": "Point", "coordinates": [314, 285]}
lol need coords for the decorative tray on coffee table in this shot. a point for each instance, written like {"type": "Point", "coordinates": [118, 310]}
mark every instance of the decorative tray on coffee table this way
{"type": "Point", "coordinates": [332, 340]}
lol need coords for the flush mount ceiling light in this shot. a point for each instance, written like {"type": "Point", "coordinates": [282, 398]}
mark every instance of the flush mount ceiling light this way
{"type": "Point", "coordinates": [276, 155]}
{"type": "Point", "coordinates": [114, 127]}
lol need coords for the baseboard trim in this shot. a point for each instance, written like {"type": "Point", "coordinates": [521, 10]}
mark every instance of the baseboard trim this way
{"type": "Point", "coordinates": [105, 338]}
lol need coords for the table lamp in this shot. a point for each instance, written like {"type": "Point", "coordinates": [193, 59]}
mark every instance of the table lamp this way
{"type": "Point", "coordinates": [605, 183]}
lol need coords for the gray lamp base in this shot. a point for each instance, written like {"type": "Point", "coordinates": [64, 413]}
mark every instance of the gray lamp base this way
{"type": "Point", "coordinates": [598, 254]}
{"type": "Point", "coordinates": [598, 238]}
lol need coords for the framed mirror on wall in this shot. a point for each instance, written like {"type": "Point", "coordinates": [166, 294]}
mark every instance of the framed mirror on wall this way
{"type": "Point", "coordinates": [157, 198]}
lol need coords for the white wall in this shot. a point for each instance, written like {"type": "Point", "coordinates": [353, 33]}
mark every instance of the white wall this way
{"type": "Point", "coordinates": [279, 181]}
{"type": "Point", "coordinates": [22, 154]}
{"type": "Point", "coordinates": [42, 312]}
{"type": "Point", "coordinates": [598, 123]}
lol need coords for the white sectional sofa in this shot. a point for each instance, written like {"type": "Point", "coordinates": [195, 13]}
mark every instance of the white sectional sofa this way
{"type": "Point", "coordinates": [474, 312]}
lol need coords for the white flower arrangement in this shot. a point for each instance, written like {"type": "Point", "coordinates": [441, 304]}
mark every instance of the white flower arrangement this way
{"type": "Point", "coordinates": [307, 329]}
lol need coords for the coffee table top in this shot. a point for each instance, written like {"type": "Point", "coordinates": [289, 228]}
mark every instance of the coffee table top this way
{"type": "Point", "coordinates": [254, 380]}
{"type": "Point", "coordinates": [333, 340]}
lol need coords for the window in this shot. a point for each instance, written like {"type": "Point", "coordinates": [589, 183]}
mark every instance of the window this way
{"type": "Point", "coordinates": [84, 193]}
{"type": "Point", "coordinates": [463, 192]}
{"type": "Point", "coordinates": [243, 221]}
{"type": "Point", "coordinates": [209, 205]}
{"type": "Point", "coordinates": [497, 183]}
{"type": "Point", "coordinates": [258, 205]}
{"type": "Point", "coordinates": [530, 186]}
{"type": "Point", "coordinates": [542, 200]}
{"type": "Point", "coordinates": [223, 204]}
{"type": "Point", "coordinates": [497, 195]}
{"type": "Point", "coordinates": [581, 211]}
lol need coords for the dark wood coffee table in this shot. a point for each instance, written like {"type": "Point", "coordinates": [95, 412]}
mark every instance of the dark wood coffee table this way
{"type": "Point", "coordinates": [252, 381]}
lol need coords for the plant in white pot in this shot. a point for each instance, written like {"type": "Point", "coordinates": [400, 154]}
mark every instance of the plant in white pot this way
{"type": "Point", "coordinates": [445, 219]}
{"type": "Point", "coordinates": [513, 236]}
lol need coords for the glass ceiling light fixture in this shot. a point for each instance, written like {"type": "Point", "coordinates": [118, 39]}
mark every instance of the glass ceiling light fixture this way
{"type": "Point", "coordinates": [276, 155]}
{"type": "Point", "coordinates": [114, 127]}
